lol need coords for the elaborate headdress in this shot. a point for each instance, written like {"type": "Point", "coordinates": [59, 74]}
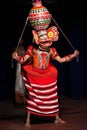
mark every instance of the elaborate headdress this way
{"type": "Point", "coordinates": [39, 16]}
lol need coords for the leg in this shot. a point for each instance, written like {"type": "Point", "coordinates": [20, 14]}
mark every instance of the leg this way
{"type": "Point", "coordinates": [59, 120]}
{"type": "Point", "coordinates": [27, 123]}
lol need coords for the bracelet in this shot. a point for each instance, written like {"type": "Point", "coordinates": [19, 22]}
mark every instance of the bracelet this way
{"type": "Point", "coordinates": [20, 59]}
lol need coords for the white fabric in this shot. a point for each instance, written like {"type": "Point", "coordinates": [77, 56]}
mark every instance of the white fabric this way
{"type": "Point", "coordinates": [19, 83]}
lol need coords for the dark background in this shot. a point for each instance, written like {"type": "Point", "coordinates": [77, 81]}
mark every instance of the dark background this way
{"type": "Point", "coordinates": [71, 17]}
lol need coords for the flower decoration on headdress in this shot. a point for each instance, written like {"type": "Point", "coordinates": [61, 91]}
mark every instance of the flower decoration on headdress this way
{"type": "Point", "coordinates": [52, 33]}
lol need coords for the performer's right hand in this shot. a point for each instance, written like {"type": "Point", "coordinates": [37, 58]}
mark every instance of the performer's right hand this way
{"type": "Point", "coordinates": [15, 55]}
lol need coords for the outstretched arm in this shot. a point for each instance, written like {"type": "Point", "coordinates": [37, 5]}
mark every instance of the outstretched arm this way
{"type": "Point", "coordinates": [23, 58]}
{"type": "Point", "coordinates": [67, 58]}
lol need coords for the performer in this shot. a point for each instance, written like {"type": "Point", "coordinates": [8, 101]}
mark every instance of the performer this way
{"type": "Point", "coordinates": [40, 76]}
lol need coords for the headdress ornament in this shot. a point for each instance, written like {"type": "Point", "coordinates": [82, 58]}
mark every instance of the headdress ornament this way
{"type": "Point", "coordinates": [39, 16]}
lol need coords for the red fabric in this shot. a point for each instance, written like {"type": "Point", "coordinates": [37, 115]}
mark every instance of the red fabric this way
{"type": "Point", "coordinates": [41, 86]}
{"type": "Point", "coordinates": [29, 50]}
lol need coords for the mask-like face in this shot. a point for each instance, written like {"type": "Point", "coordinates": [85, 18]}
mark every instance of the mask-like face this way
{"type": "Point", "coordinates": [46, 37]}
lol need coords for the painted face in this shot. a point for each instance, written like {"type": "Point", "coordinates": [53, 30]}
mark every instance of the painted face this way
{"type": "Point", "coordinates": [44, 40]}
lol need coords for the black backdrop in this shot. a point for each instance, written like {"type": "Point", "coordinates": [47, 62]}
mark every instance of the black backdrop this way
{"type": "Point", "coordinates": [71, 17]}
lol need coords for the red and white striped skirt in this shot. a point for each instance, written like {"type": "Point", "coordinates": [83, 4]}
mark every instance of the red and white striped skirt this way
{"type": "Point", "coordinates": [41, 85]}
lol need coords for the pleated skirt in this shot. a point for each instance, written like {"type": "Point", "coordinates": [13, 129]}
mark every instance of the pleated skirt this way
{"type": "Point", "coordinates": [41, 90]}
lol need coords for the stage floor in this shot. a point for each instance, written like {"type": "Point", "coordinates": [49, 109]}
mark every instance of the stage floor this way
{"type": "Point", "coordinates": [74, 112]}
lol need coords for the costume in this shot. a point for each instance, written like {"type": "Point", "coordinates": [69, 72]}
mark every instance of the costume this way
{"type": "Point", "coordinates": [40, 77]}
{"type": "Point", "coordinates": [41, 83]}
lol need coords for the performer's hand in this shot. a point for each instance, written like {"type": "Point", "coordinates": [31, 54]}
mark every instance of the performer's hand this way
{"type": "Point", "coordinates": [14, 55]}
{"type": "Point", "coordinates": [76, 53]}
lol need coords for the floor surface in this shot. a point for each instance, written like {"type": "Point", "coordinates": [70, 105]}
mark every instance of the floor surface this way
{"type": "Point", "coordinates": [74, 112]}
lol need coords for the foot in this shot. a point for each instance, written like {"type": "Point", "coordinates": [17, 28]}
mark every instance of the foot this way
{"type": "Point", "coordinates": [59, 120]}
{"type": "Point", "coordinates": [27, 124]}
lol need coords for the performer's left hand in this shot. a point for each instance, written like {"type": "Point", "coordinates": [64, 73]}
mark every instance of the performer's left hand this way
{"type": "Point", "coordinates": [76, 53]}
